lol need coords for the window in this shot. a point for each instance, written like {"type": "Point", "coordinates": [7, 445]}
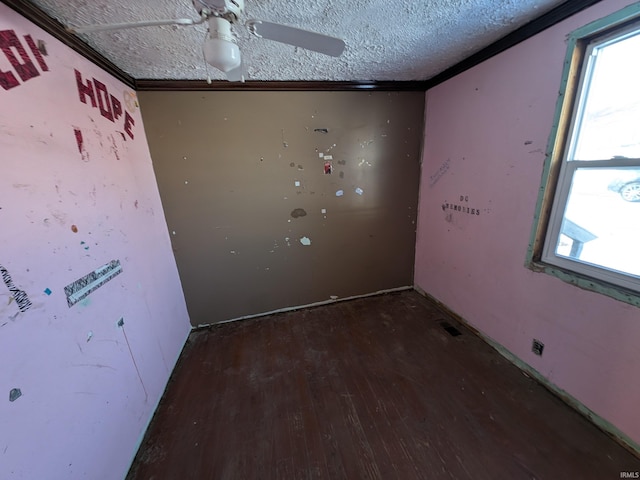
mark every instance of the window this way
{"type": "Point", "coordinates": [593, 223]}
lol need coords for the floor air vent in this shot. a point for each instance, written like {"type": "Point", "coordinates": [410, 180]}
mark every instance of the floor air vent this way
{"type": "Point", "coordinates": [450, 329]}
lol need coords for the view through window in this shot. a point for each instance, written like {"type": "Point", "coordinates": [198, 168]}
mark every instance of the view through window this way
{"type": "Point", "coordinates": [595, 220]}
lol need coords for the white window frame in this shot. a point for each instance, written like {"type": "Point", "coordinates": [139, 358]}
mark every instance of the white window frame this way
{"type": "Point", "coordinates": [560, 167]}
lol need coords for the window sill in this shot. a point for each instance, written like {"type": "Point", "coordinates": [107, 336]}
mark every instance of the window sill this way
{"type": "Point", "coordinates": [587, 283]}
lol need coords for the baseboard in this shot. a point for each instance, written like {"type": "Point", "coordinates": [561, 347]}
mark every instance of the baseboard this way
{"type": "Point", "coordinates": [604, 425]}
{"type": "Point", "coordinates": [299, 307]}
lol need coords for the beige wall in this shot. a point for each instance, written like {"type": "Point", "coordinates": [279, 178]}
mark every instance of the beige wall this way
{"type": "Point", "coordinates": [227, 164]}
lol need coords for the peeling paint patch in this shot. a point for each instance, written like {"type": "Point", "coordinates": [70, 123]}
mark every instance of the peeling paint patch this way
{"type": "Point", "coordinates": [305, 241]}
{"type": "Point", "coordinates": [42, 47]}
{"type": "Point", "coordinates": [359, 191]}
{"type": "Point", "coordinates": [333, 297]}
{"type": "Point", "coordinates": [20, 296]}
{"type": "Point", "coordinates": [298, 212]}
{"type": "Point", "coordinates": [339, 193]}
{"type": "Point", "coordinates": [297, 183]}
{"type": "Point", "coordinates": [321, 130]}
{"type": "Point", "coordinates": [15, 394]}
{"type": "Point", "coordinates": [89, 336]}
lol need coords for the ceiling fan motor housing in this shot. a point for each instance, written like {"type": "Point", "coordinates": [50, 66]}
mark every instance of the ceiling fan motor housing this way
{"type": "Point", "coordinates": [220, 49]}
{"type": "Point", "coordinates": [231, 10]}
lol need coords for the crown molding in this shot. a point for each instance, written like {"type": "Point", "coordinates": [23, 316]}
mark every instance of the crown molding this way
{"type": "Point", "coordinates": [549, 19]}
{"type": "Point", "coordinates": [290, 86]}
{"type": "Point", "coordinates": [57, 30]}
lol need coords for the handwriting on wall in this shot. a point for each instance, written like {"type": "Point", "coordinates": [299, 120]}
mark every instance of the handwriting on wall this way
{"type": "Point", "coordinates": [99, 97]}
{"type": "Point", "coordinates": [444, 168]}
{"type": "Point", "coordinates": [22, 64]}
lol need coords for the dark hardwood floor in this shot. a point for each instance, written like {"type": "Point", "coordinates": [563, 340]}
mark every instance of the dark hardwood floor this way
{"type": "Point", "coordinates": [366, 389]}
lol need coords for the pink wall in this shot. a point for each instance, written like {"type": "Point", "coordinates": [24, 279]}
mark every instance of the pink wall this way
{"type": "Point", "coordinates": [485, 137]}
{"type": "Point", "coordinates": [67, 208]}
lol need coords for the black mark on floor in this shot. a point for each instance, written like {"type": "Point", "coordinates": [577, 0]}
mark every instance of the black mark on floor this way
{"type": "Point", "coordinates": [450, 329]}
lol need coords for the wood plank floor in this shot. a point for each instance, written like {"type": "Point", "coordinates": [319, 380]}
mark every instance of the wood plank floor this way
{"type": "Point", "coordinates": [366, 389]}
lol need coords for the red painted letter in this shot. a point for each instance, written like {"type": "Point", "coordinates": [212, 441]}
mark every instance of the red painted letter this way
{"type": "Point", "coordinates": [85, 90]}
{"type": "Point", "coordinates": [117, 107]}
{"type": "Point", "coordinates": [128, 122]}
{"type": "Point", "coordinates": [36, 53]}
{"type": "Point", "coordinates": [105, 106]}
{"type": "Point", "coordinates": [9, 40]}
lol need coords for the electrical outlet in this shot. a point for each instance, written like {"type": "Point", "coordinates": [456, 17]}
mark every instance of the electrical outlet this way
{"type": "Point", "coordinates": [537, 347]}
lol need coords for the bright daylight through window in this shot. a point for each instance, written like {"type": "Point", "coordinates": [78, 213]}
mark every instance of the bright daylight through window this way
{"type": "Point", "coordinates": [594, 225]}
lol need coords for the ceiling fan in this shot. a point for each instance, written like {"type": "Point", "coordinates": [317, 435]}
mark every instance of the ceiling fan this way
{"type": "Point", "coordinates": [220, 48]}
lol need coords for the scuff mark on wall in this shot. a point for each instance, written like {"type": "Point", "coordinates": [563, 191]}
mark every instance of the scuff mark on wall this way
{"type": "Point", "coordinates": [42, 47]}
{"type": "Point", "coordinates": [20, 296]}
{"type": "Point", "coordinates": [298, 212]}
{"type": "Point", "coordinates": [114, 147]}
{"type": "Point", "coordinates": [121, 325]}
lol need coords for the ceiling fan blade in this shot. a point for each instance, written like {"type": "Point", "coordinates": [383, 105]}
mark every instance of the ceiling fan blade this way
{"type": "Point", "coordinates": [122, 26]}
{"type": "Point", "coordinates": [237, 74]}
{"type": "Point", "coordinates": [297, 37]}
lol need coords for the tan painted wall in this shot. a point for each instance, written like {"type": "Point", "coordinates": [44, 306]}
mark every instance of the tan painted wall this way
{"type": "Point", "coordinates": [227, 164]}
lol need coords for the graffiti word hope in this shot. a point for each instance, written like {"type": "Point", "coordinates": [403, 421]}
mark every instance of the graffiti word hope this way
{"type": "Point", "coordinates": [14, 51]}
{"type": "Point", "coordinates": [110, 107]}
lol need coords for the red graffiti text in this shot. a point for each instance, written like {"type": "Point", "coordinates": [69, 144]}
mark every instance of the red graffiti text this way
{"type": "Point", "coordinates": [23, 66]}
{"type": "Point", "coordinates": [96, 93]}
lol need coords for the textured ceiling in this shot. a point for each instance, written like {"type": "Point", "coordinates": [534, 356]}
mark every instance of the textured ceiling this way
{"type": "Point", "coordinates": [386, 39]}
